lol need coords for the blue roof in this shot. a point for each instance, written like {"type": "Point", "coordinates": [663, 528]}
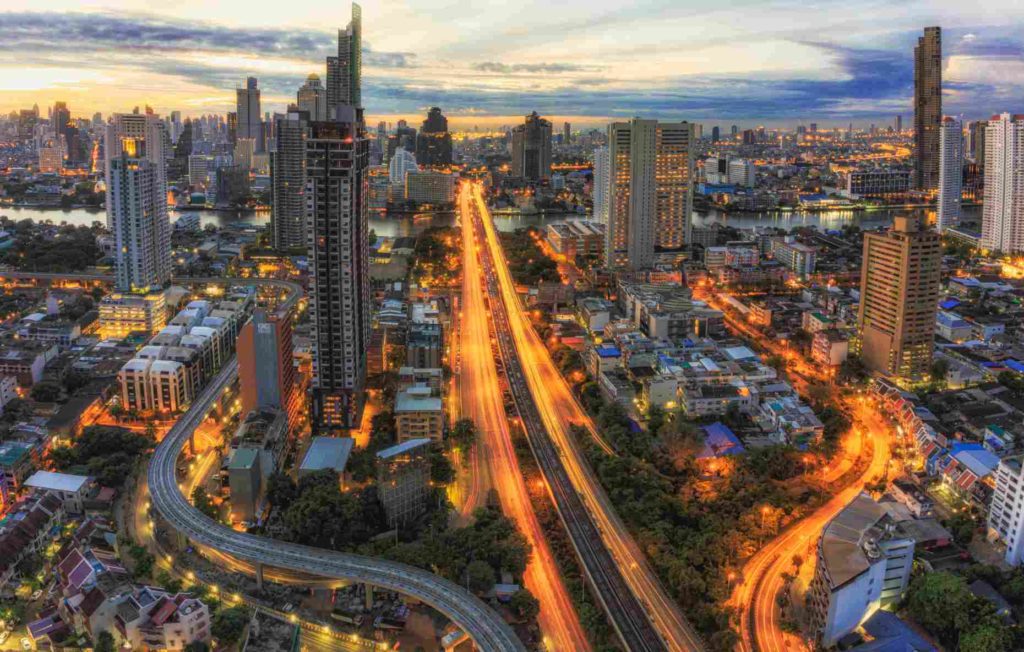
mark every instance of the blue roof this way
{"type": "Point", "coordinates": [719, 441]}
{"type": "Point", "coordinates": [949, 304]}
{"type": "Point", "coordinates": [608, 351]}
{"type": "Point", "coordinates": [891, 635]}
{"type": "Point", "coordinates": [975, 457]}
{"type": "Point", "coordinates": [1016, 366]}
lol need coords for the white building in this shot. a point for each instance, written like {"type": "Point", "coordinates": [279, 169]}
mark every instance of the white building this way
{"type": "Point", "coordinates": [602, 177]}
{"type": "Point", "coordinates": [430, 187]}
{"type": "Point", "coordinates": [402, 163]}
{"type": "Point", "coordinates": [864, 562]}
{"type": "Point", "coordinates": [137, 211]}
{"type": "Point", "coordinates": [1002, 222]}
{"type": "Point", "coordinates": [650, 194]}
{"type": "Point", "coordinates": [951, 173]}
{"type": "Point", "coordinates": [742, 172]}
{"type": "Point", "coordinates": [1004, 514]}
{"type": "Point", "coordinates": [72, 490]}
{"type": "Point", "coordinates": [796, 256]}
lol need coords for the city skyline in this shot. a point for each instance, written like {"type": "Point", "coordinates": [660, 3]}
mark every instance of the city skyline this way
{"type": "Point", "coordinates": [701, 65]}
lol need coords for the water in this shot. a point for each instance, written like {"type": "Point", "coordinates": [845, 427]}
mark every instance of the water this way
{"type": "Point", "coordinates": [407, 225]}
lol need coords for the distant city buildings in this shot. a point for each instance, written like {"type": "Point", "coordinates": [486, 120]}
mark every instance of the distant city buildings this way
{"type": "Point", "coordinates": [602, 180]}
{"type": "Point", "coordinates": [899, 298]}
{"type": "Point", "coordinates": [531, 149]}
{"type": "Point", "coordinates": [927, 108]}
{"type": "Point", "coordinates": [951, 173]}
{"type": "Point", "coordinates": [650, 196]}
{"type": "Point", "coordinates": [312, 98]}
{"type": "Point", "coordinates": [248, 111]}
{"type": "Point", "coordinates": [434, 141]}
{"type": "Point", "coordinates": [344, 72]}
{"type": "Point", "coordinates": [1002, 222]}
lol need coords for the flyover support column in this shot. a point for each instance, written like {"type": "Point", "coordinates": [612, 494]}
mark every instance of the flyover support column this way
{"type": "Point", "coordinates": [369, 596]}
{"type": "Point", "coordinates": [259, 575]}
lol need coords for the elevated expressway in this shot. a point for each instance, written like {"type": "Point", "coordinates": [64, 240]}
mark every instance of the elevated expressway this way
{"type": "Point", "coordinates": [484, 625]}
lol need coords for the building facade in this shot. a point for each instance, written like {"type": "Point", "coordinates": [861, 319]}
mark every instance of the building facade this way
{"type": "Point", "coordinates": [602, 177]}
{"type": "Point", "coordinates": [288, 181]}
{"type": "Point", "coordinates": [344, 72]}
{"type": "Point", "coordinates": [899, 299]}
{"type": "Point", "coordinates": [650, 195]}
{"type": "Point", "coordinates": [247, 103]}
{"type": "Point", "coordinates": [531, 149]}
{"type": "Point", "coordinates": [1002, 216]}
{"type": "Point", "coordinates": [137, 204]}
{"type": "Point", "coordinates": [312, 98]}
{"type": "Point", "coordinates": [951, 173]}
{"type": "Point", "coordinates": [927, 108]}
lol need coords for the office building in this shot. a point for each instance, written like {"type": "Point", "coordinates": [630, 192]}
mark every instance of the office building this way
{"type": "Point", "coordinates": [137, 135]}
{"type": "Point", "coordinates": [402, 163]}
{"type": "Point", "coordinates": [1002, 216]}
{"type": "Point", "coordinates": [864, 562]}
{"type": "Point", "coordinates": [51, 156]}
{"type": "Point", "coordinates": [927, 108]}
{"type": "Point", "coordinates": [403, 480]}
{"type": "Point", "coordinates": [137, 208]}
{"type": "Point", "coordinates": [976, 142]}
{"type": "Point", "coordinates": [122, 314]}
{"type": "Point", "coordinates": [899, 123]}
{"type": "Point", "coordinates": [248, 112]}
{"type": "Point", "coordinates": [1004, 520]}
{"type": "Point", "coordinates": [877, 183]}
{"type": "Point", "coordinates": [650, 194]}
{"type": "Point", "coordinates": [602, 179]}
{"type": "Point", "coordinates": [429, 187]}
{"type": "Point", "coordinates": [288, 181]}
{"type": "Point", "coordinates": [312, 98]}
{"type": "Point", "coordinates": [899, 298]}
{"type": "Point", "coordinates": [265, 368]}
{"type": "Point", "coordinates": [344, 72]}
{"type": "Point", "coordinates": [245, 479]}
{"type": "Point", "coordinates": [742, 173]}
{"type": "Point", "coordinates": [796, 256]}
{"type": "Point", "coordinates": [951, 173]}
{"type": "Point", "coordinates": [337, 159]}
{"type": "Point", "coordinates": [531, 149]}
{"type": "Point", "coordinates": [434, 142]}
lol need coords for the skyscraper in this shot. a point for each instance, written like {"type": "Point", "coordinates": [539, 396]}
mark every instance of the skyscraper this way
{"type": "Point", "coordinates": [265, 370]}
{"type": "Point", "coordinates": [976, 136]}
{"type": "Point", "coordinates": [248, 111]}
{"type": "Point", "coordinates": [344, 72]}
{"type": "Point", "coordinates": [602, 177]}
{"type": "Point", "coordinates": [899, 123]}
{"type": "Point", "coordinates": [312, 98]}
{"type": "Point", "coordinates": [142, 230]}
{"type": "Point", "coordinates": [650, 192]}
{"type": "Point", "coordinates": [899, 295]}
{"type": "Point", "coordinates": [147, 137]}
{"type": "Point", "coordinates": [716, 134]}
{"type": "Point", "coordinates": [434, 142]}
{"type": "Point", "coordinates": [531, 149]}
{"type": "Point", "coordinates": [1002, 217]}
{"type": "Point", "coordinates": [288, 181]}
{"type": "Point", "coordinates": [951, 173]}
{"type": "Point", "coordinates": [337, 158]}
{"type": "Point", "coordinates": [927, 108]}
{"type": "Point", "coordinates": [566, 133]}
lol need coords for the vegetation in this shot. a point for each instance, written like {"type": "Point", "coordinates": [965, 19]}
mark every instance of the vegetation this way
{"type": "Point", "coordinates": [1013, 382]}
{"type": "Point", "coordinates": [463, 434]}
{"type": "Point", "coordinates": [383, 433]}
{"type": "Point", "coordinates": [71, 249]}
{"type": "Point", "coordinates": [527, 262]}
{"type": "Point", "coordinates": [943, 604]}
{"type": "Point", "coordinates": [228, 625]}
{"type": "Point", "coordinates": [105, 642]}
{"type": "Point", "coordinates": [201, 501]}
{"type": "Point", "coordinates": [108, 453]}
{"type": "Point", "coordinates": [320, 514]}
{"type": "Point", "coordinates": [436, 256]}
{"type": "Point", "coordinates": [142, 561]}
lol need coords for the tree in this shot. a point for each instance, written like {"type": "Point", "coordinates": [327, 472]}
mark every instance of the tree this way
{"type": "Point", "coordinates": [941, 603]}
{"type": "Point", "coordinates": [990, 634]}
{"type": "Point", "coordinates": [463, 434]}
{"type": "Point", "coordinates": [46, 392]}
{"type": "Point", "coordinates": [962, 527]}
{"type": "Point", "coordinates": [524, 605]}
{"type": "Point", "coordinates": [479, 576]}
{"type": "Point", "coordinates": [441, 471]}
{"type": "Point", "coordinates": [281, 490]}
{"type": "Point", "coordinates": [105, 642]}
{"type": "Point", "coordinates": [197, 646]}
{"type": "Point", "coordinates": [228, 624]}
{"type": "Point", "coordinates": [165, 580]}
{"type": "Point", "coordinates": [201, 501]}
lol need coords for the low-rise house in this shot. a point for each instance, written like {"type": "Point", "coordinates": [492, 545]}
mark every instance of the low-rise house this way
{"type": "Point", "coordinates": [72, 490]}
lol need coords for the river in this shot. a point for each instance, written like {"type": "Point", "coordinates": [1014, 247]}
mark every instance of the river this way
{"type": "Point", "coordinates": [411, 225]}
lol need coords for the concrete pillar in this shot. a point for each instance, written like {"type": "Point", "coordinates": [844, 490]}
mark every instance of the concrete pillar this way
{"type": "Point", "coordinates": [369, 597]}
{"type": "Point", "coordinates": [259, 576]}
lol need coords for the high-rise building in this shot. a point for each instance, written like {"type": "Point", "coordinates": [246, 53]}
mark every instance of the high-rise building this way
{"type": "Point", "coordinates": [951, 173]}
{"type": "Point", "coordinates": [137, 203]}
{"type": "Point", "coordinates": [899, 296]}
{"type": "Point", "coordinates": [531, 149]}
{"type": "Point", "coordinates": [927, 108]}
{"type": "Point", "coordinates": [402, 163]}
{"type": "Point", "coordinates": [248, 111]}
{"type": "Point", "coordinates": [650, 192]}
{"type": "Point", "coordinates": [976, 141]}
{"type": "Point", "coordinates": [566, 133]}
{"type": "Point", "coordinates": [1002, 217]}
{"type": "Point", "coordinates": [312, 98]}
{"type": "Point", "coordinates": [1004, 513]}
{"type": "Point", "coordinates": [337, 159]}
{"type": "Point", "coordinates": [434, 142]}
{"type": "Point", "coordinates": [344, 72]}
{"type": "Point", "coordinates": [265, 369]}
{"type": "Point", "coordinates": [899, 123]}
{"type": "Point", "coordinates": [602, 178]}
{"type": "Point", "coordinates": [288, 181]}
{"type": "Point", "coordinates": [716, 134]}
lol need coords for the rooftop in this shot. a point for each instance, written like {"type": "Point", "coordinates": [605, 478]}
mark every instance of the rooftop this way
{"type": "Point", "coordinates": [48, 480]}
{"type": "Point", "coordinates": [327, 453]}
{"type": "Point", "coordinates": [404, 447]}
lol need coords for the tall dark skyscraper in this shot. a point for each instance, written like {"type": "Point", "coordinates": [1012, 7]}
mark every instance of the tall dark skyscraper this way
{"type": "Point", "coordinates": [337, 158]}
{"type": "Point", "coordinates": [434, 142]}
{"type": "Point", "coordinates": [344, 72]}
{"type": "Point", "coordinates": [899, 123]}
{"type": "Point", "coordinates": [716, 134]}
{"type": "Point", "coordinates": [248, 112]}
{"type": "Point", "coordinates": [288, 181]}
{"type": "Point", "coordinates": [531, 149]}
{"type": "Point", "coordinates": [927, 108]}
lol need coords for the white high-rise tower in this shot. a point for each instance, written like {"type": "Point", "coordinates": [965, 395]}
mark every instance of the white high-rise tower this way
{"type": "Point", "coordinates": [602, 176]}
{"type": "Point", "coordinates": [951, 173]}
{"type": "Point", "coordinates": [1002, 223]}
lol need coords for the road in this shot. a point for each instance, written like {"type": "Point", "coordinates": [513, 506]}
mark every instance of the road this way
{"type": "Point", "coordinates": [641, 611]}
{"type": "Point", "coordinates": [494, 455]}
{"type": "Point", "coordinates": [481, 622]}
{"type": "Point", "coordinates": [755, 595]}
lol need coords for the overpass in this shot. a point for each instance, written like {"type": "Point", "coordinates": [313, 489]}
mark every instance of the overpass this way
{"type": "Point", "coordinates": [484, 625]}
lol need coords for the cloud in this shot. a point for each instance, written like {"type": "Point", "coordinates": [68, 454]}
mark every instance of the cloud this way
{"type": "Point", "coordinates": [532, 68]}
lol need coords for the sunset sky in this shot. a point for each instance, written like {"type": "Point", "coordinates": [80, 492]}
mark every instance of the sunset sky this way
{"type": "Point", "coordinates": [486, 61]}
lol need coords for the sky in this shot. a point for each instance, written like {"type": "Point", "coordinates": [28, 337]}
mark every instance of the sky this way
{"type": "Point", "coordinates": [487, 62]}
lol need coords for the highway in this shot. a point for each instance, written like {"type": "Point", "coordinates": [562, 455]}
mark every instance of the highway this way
{"type": "Point", "coordinates": [495, 456]}
{"type": "Point", "coordinates": [643, 614]}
